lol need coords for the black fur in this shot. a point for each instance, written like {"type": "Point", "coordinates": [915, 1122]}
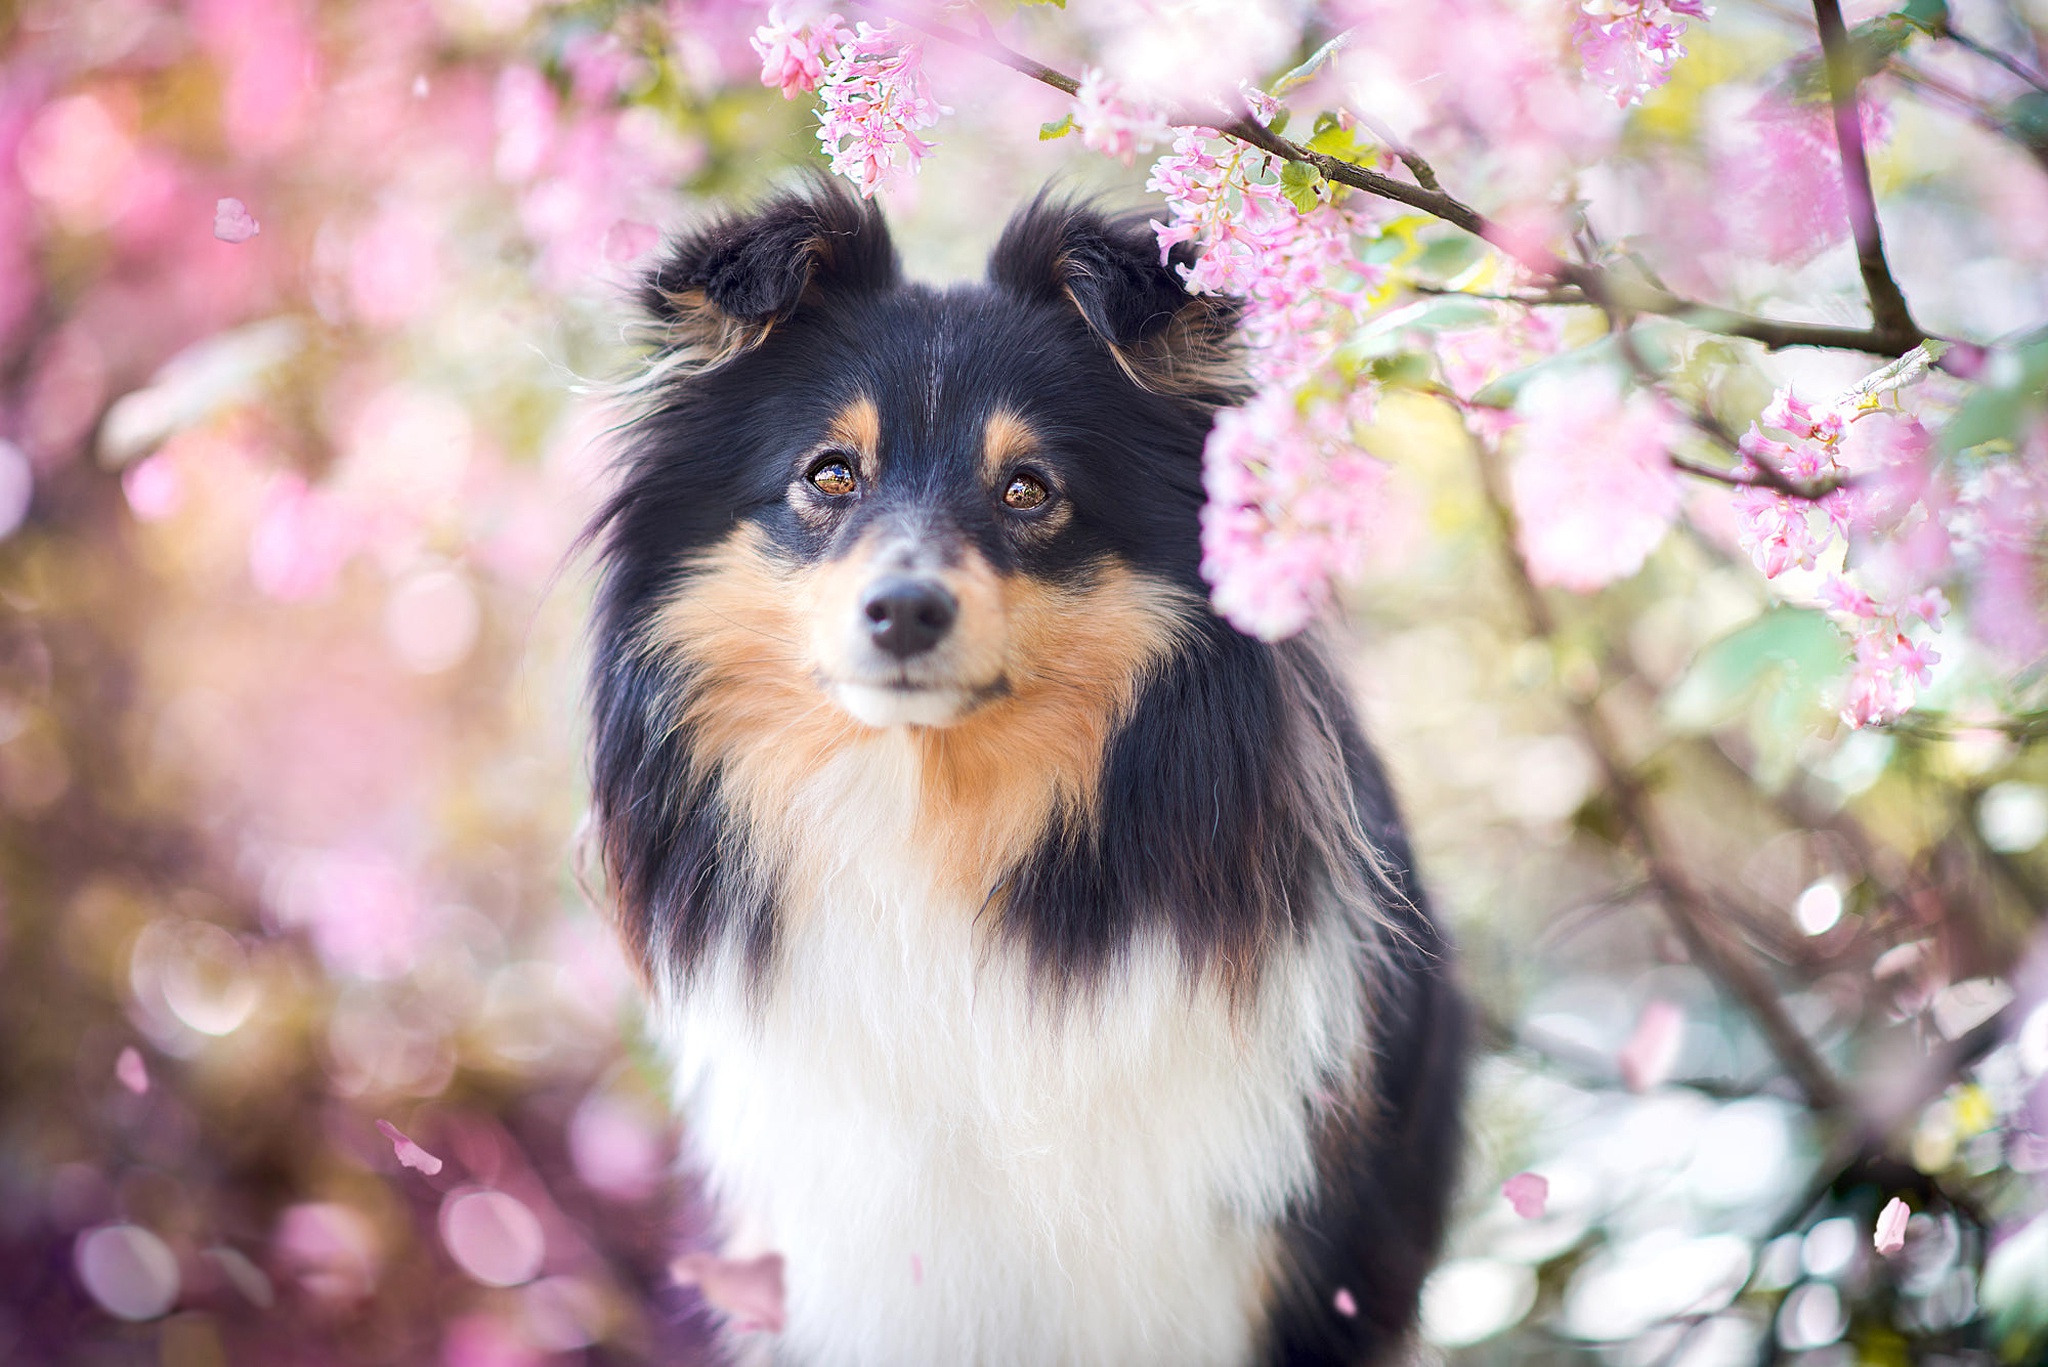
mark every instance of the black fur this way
{"type": "Point", "coordinates": [1213, 824]}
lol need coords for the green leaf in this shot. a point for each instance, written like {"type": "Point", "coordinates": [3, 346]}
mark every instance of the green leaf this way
{"type": "Point", "coordinates": [1332, 139]}
{"type": "Point", "coordinates": [1315, 63]}
{"type": "Point", "coordinates": [1654, 340]}
{"type": "Point", "coordinates": [1929, 16]}
{"type": "Point", "coordinates": [1997, 415]}
{"type": "Point", "coordinates": [1872, 44]}
{"type": "Point", "coordinates": [1302, 184]}
{"type": "Point", "coordinates": [1386, 334]}
{"type": "Point", "coordinates": [1449, 256]}
{"type": "Point", "coordinates": [2028, 116]}
{"type": "Point", "coordinates": [1404, 370]}
{"type": "Point", "coordinates": [1058, 128]}
{"type": "Point", "coordinates": [1789, 651]}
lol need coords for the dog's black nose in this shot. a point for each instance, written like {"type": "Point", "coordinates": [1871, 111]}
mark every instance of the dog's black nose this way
{"type": "Point", "coordinates": [907, 617]}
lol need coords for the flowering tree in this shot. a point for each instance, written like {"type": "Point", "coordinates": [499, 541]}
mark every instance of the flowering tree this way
{"type": "Point", "coordinates": [1658, 386]}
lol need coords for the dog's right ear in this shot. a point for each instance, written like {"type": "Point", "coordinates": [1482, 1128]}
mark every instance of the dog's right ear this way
{"type": "Point", "coordinates": [723, 286]}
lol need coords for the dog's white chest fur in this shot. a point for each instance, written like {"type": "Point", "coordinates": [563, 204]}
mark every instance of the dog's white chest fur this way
{"type": "Point", "coordinates": [956, 1171]}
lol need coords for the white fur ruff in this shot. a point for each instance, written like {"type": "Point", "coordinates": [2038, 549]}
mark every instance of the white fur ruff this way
{"type": "Point", "coordinates": [960, 1176]}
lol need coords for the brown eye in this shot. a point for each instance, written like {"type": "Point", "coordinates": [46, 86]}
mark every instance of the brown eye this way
{"type": "Point", "coordinates": [832, 477]}
{"type": "Point", "coordinates": [1025, 493]}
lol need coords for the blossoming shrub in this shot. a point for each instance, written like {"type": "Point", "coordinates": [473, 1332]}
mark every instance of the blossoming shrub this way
{"type": "Point", "coordinates": [1683, 479]}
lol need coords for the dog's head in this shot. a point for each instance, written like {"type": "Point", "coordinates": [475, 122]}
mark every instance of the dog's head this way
{"type": "Point", "coordinates": [906, 502]}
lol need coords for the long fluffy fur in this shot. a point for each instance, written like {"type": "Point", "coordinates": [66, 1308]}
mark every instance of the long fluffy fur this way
{"type": "Point", "coordinates": [1116, 1000]}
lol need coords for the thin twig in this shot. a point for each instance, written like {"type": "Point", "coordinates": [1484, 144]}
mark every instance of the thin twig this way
{"type": "Point", "coordinates": [1991, 54]}
{"type": "Point", "coordinates": [1685, 904]}
{"type": "Point", "coordinates": [1969, 106]}
{"type": "Point", "coordinates": [1751, 474]}
{"type": "Point", "coordinates": [1887, 305]}
{"type": "Point", "coordinates": [1892, 335]}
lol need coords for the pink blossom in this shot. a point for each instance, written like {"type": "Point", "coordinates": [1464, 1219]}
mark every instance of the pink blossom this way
{"type": "Point", "coordinates": [1345, 1303]}
{"type": "Point", "coordinates": [628, 241]}
{"type": "Point", "coordinates": [1111, 126]}
{"type": "Point", "coordinates": [1592, 484]}
{"type": "Point", "coordinates": [2006, 554]}
{"type": "Point", "coordinates": [1652, 1048]}
{"type": "Point", "coordinates": [748, 1290]}
{"type": "Point", "coordinates": [793, 57]}
{"type": "Point", "coordinates": [1258, 103]}
{"type": "Point", "coordinates": [1528, 1193]}
{"type": "Point", "coordinates": [302, 538]}
{"type": "Point", "coordinates": [526, 113]}
{"type": "Point", "coordinates": [1780, 172]}
{"type": "Point", "coordinates": [132, 1072]}
{"type": "Point", "coordinates": [1299, 274]}
{"type": "Point", "coordinates": [1839, 595]}
{"type": "Point", "coordinates": [154, 488]}
{"type": "Point", "coordinates": [1291, 505]}
{"type": "Point", "coordinates": [232, 221]}
{"type": "Point", "coordinates": [874, 97]}
{"type": "Point", "coordinates": [1780, 531]}
{"type": "Point", "coordinates": [1890, 1235]}
{"type": "Point", "coordinates": [1628, 47]}
{"type": "Point", "coordinates": [916, 1270]}
{"type": "Point", "coordinates": [410, 1155]}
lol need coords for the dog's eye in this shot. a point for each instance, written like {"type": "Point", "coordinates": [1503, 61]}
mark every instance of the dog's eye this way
{"type": "Point", "coordinates": [831, 476]}
{"type": "Point", "coordinates": [1025, 492]}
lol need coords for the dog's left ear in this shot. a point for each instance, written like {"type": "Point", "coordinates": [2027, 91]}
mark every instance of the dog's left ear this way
{"type": "Point", "coordinates": [722, 286]}
{"type": "Point", "coordinates": [1109, 270]}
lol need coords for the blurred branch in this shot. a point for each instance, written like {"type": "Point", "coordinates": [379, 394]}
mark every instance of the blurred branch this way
{"type": "Point", "coordinates": [1887, 305]}
{"type": "Point", "coordinates": [1685, 904]}
{"type": "Point", "coordinates": [1894, 333]}
{"type": "Point", "coordinates": [1924, 725]}
{"type": "Point", "coordinates": [1971, 107]}
{"type": "Point", "coordinates": [1991, 54]}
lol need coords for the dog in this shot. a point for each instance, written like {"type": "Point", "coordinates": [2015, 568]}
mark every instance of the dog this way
{"type": "Point", "coordinates": [1042, 961]}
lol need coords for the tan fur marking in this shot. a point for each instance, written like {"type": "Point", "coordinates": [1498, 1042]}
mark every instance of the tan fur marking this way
{"type": "Point", "coordinates": [1066, 664]}
{"type": "Point", "coordinates": [703, 336]}
{"type": "Point", "coordinates": [1076, 658]}
{"type": "Point", "coordinates": [858, 427]}
{"type": "Point", "coordinates": [1005, 439]}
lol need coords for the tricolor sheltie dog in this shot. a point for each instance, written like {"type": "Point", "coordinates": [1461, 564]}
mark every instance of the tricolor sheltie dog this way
{"type": "Point", "coordinates": [1042, 960]}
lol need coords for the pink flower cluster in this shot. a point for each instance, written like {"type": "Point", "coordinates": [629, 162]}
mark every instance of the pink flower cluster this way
{"type": "Point", "coordinates": [1111, 125]}
{"type": "Point", "coordinates": [1628, 47]}
{"type": "Point", "coordinates": [1894, 516]}
{"type": "Point", "coordinates": [1303, 284]}
{"type": "Point", "coordinates": [873, 94]}
{"type": "Point", "coordinates": [1890, 666]}
{"type": "Point", "coordinates": [2006, 516]}
{"type": "Point", "coordinates": [793, 56]}
{"type": "Point", "coordinates": [1592, 484]}
{"type": "Point", "coordinates": [1291, 496]}
{"type": "Point", "coordinates": [1780, 171]}
{"type": "Point", "coordinates": [1779, 531]}
{"type": "Point", "coordinates": [1292, 503]}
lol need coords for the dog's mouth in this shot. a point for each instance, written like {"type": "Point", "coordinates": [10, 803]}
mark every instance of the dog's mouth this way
{"type": "Point", "coordinates": [897, 699]}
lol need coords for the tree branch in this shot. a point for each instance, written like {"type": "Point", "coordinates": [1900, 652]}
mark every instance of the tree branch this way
{"type": "Point", "coordinates": [1992, 54]}
{"type": "Point", "coordinates": [1894, 334]}
{"type": "Point", "coordinates": [1685, 904]}
{"type": "Point", "coordinates": [1887, 305]}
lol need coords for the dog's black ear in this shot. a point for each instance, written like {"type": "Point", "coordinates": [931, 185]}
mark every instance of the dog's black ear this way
{"type": "Point", "coordinates": [1109, 269]}
{"type": "Point", "coordinates": [721, 287]}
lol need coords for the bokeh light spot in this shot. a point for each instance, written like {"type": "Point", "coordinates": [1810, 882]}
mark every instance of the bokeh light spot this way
{"type": "Point", "coordinates": [131, 1272]}
{"type": "Point", "coordinates": [493, 1237]}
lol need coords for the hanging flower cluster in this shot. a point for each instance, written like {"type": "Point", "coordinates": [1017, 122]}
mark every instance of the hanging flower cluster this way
{"type": "Point", "coordinates": [1892, 518]}
{"type": "Point", "coordinates": [874, 97]}
{"type": "Point", "coordinates": [1291, 497]}
{"type": "Point", "coordinates": [1628, 47]}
